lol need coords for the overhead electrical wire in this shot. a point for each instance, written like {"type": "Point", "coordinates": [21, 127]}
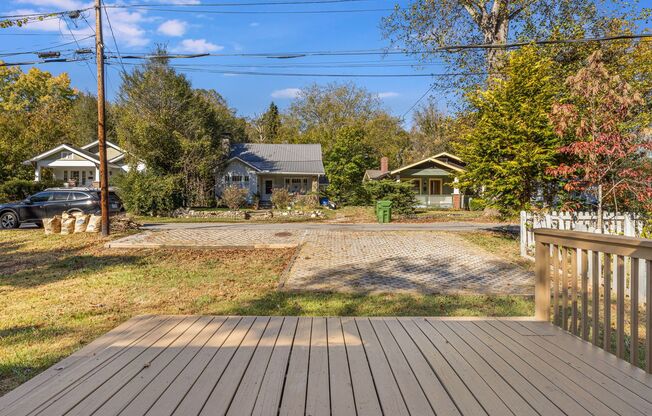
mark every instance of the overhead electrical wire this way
{"type": "Point", "coordinates": [244, 4]}
{"type": "Point", "coordinates": [78, 45]}
{"type": "Point", "coordinates": [250, 12]}
{"type": "Point", "coordinates": [117, 50]}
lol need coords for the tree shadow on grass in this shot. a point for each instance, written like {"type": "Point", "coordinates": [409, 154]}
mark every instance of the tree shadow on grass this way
{"type": "Point", "coordinates": [340, 304]}
{"type": "Point", "coordinates": [43, 268]}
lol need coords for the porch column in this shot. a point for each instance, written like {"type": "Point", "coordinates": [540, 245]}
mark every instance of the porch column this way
{"type": "Point", "coordinates": [37, 173]}
{"type": "Point", "coordinates": [96, 178]}
{"type": "Point", "coordinates": [457, 198]}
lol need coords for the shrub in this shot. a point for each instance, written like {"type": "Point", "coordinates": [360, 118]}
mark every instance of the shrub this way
{"type": "Point", "coordinates": [477, 204]}
{"type": "Point", "coordinates": [281, 198]}
{"type": "Point", "coordinates": [149, 194]}
{"type": "Point", "coordinates": [308, 201]}
{"type": "Point", "coordinates": [18, 189]}
{"type": "Point", "coordinates": [400, 193]}
{"type": "Point", "coordinates": [234, 197]}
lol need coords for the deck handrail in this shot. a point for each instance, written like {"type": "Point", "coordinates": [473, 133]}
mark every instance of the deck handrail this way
{"type": "Point", "coordinates": [567, 261]}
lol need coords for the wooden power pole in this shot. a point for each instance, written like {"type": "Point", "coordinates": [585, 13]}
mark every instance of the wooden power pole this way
{"type": "Point", "coordinates": [101, 128]}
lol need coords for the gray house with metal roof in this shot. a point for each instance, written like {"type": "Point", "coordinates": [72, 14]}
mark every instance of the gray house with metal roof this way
{"type": "Point", "coordinates": [261, 168]}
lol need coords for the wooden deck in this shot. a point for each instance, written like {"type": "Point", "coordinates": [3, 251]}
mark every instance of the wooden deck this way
{"type": "Point", "coordinates": [192, 365]}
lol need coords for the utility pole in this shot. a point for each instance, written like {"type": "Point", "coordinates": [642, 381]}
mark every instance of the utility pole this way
{"type": "Point", "coordinates": [101, 128]}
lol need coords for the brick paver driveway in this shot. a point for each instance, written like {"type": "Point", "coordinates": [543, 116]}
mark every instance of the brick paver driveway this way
{"type": "Point", "coordinates": [364, 261]}
{"type": "Point", "coordinates": [426, 262]}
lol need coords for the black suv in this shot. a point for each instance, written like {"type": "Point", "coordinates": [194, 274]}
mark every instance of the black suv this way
{"type": "Point", "coordinates": [55, 201]}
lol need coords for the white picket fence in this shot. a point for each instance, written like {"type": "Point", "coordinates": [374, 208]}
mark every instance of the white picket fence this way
{"type": "Point", "coordinates": [613, 223]}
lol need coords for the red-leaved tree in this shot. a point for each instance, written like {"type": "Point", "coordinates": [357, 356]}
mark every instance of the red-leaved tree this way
{"type": "Point", "coordinates": [607, 155]}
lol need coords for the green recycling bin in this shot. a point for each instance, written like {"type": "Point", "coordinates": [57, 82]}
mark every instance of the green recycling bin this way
{"type": "Point", "coordinates": [384, 211]}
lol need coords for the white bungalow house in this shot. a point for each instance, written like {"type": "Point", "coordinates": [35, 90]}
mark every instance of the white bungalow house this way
{"type": "Point", "coordinates": [261, 168]}
{"type": "Point", "coordinates": [79, 166]}
{"type": "Point", "coordinates": [434, 179]}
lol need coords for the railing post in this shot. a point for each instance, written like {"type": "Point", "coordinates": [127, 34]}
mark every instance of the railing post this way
{"type": "Point", "coordinates": [542, 283]}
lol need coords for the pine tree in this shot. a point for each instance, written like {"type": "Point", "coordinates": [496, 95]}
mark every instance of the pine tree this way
{"type": "Point", "coordinates": [270, 124]}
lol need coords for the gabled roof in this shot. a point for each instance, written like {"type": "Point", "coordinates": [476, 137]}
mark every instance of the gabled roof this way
{"type": "Point", "coordinates": [108, 143]}
{"type": "Point", "coordinates": [435, 159]}
{"type": "Point", "coordinates": [79, 152]}
{"type": "Point", "coordinates": [374, 174]}
{"type": "Point", "coordinates": [280, 158]}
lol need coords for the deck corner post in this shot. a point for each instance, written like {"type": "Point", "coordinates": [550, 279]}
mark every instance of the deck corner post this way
{"type": "Point", "coordinates": [542, 283]}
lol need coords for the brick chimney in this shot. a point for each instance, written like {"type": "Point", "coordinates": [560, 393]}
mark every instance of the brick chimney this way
{"type": "Point", "coordinates": [384, 164]}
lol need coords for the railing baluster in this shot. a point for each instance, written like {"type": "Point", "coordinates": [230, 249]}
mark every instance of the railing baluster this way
{"type": "Point", "coordinates": [633, 319]}
{"type": "Point", "coordinates": [584, 273]}
{"type": "Point", "coordinates": [607, 302]}
{"type": "Point", "coordinates": [564, 288]}
{"type": "Point", "coordinates": [607, 261]}
{"type": "Point", "coordinates": [573, 276]}
{"type": "Point", "coordinates": [555, 283]}
{"type": "Point", "coordinates": [648, 317]}
{"type": "Point", "coordinates": [620, 308]}
{"type": "Point", "coordinates": [595, 306]}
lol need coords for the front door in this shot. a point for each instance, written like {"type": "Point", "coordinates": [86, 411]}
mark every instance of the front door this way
{"type": "Point", "coordinates": [435, 186]}
{"type": "Point", "coordinates": [268, 189]}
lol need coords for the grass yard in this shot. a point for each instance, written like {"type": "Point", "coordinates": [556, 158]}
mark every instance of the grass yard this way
{"type": "Point", "coordinates": [501, 243]}
{"type": "Point", "coordinates": [57, 293]}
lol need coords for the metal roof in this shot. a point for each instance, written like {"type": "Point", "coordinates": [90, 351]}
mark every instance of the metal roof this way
{"type": "Point", "coordinates": [280, 158]}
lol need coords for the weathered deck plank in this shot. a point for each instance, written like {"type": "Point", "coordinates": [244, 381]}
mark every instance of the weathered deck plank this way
{"type": "Point", "coordinates": [191, 365]}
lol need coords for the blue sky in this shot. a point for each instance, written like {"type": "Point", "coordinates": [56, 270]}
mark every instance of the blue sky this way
{"type": "Point", "coordinates": [188, 30]}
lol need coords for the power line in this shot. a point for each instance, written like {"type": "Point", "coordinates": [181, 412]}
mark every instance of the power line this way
{"type": "Point", "coordinates": [114, 41]}
{"type": "Point", "coordinates": [77, 43]}
{"type": "Point", "coordinates": [190, 68]}
{"type": "Point", "coordinates": [418, 101]}
{"type": "Point", "coordinates": [231, 4]}
{"type": "Point", "coordinates": [253, 12]}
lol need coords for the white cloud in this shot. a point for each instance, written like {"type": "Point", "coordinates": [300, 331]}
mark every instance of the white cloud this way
{"type": "Point", "coordinates": [197, 46]}
{"type": "Point", "coordinates": [254, 24]}
{"type": "Point", "coordinates": [61, 4]}
{"type": "Point", "coordinates": [388, 94]}
{"type": "Point", "coordinates": [172, 27]}
{"type": "Point", "coordinates": [127, 26]}
{"type": "Point", "coordinates": [287, 93]}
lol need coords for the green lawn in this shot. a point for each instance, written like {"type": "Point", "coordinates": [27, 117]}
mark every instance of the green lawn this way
{"type": "Point", "coordinates": [57, 293]}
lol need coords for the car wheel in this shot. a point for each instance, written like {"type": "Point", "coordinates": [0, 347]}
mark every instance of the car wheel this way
{"type": "Point", "coordinates": [75, 212]}
{"type": "Point", "coordinates": [9, 220]}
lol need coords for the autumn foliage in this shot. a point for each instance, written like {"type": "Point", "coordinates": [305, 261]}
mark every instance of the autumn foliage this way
{"type": "Point", "coordinates": [605, 154]}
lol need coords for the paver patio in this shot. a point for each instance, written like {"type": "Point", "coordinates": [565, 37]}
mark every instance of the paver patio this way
{"type": "Point", "coordinates": [363, 261]}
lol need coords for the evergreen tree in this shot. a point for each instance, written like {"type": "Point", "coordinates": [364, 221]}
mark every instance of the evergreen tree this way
{"type": "Point", "coordinates": [346, 163]}
{"type": "Point", "coordinates": [271, 124]}
{"type": "Point", "coordinates": [512, 143]}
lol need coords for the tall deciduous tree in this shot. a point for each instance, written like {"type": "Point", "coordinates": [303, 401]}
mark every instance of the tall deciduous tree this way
{"type": "Point", "coordinates": [175, 129]}
{"type": "Point", "coordinates": [606, 151]}
{"type": "Point", "coordinates": [432, 132]}
{"type": "Point", "coordinates": [512, 143]}
{"type": "Point", "coordinates": [320, 111]}
{"type": "Point", "coordinates": [424, 25]}
{"type": "Point", "coordinates": [34, 116]}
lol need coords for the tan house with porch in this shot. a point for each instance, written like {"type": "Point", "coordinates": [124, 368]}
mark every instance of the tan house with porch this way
{"type": "Point", "coordinates": [79, 166]}
{"type": "Point", "coordinates": [434, 179]}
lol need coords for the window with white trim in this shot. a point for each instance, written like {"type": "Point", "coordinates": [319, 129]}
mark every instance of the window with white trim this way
{"type": "Point", "coordinates": [66, 155]}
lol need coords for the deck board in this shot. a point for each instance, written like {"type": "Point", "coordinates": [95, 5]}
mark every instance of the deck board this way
{"type": "Point", "coordinates": [191, 365]}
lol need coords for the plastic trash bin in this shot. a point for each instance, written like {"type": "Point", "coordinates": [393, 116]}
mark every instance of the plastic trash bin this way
{"type": "Point", "coordinates": [384, 211]}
